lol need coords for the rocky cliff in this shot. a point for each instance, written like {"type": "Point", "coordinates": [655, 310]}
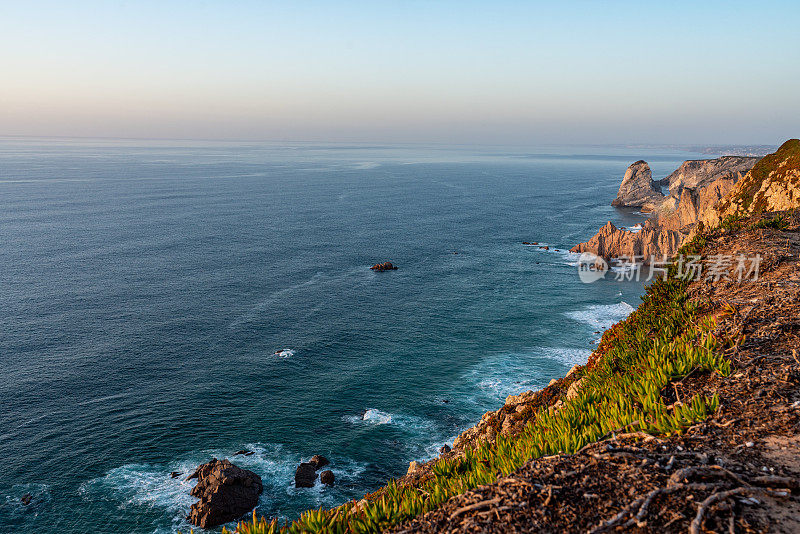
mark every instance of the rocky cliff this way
{"type": "Point", "coordinates": [696, 173]}
{"type": "Point", "coordinates": [773, 184]}
{"type": "Point", "coordinates": [638, 190]}
{"type": "Point", "coordinates": [697, 189]}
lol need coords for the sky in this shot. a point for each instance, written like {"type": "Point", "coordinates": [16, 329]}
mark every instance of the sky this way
{"type": "Point", "coordinates": [491, 72]}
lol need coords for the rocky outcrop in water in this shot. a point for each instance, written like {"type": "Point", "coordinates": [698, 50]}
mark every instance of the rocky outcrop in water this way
{"type": "Point", "coordinates": [638, 190]}
{"type": "Point", "coordinates": [318, 461]}
{"type": "Point", "coordinates": [226, 493]}
{"type": "Point", "coordinates": [651, 241]}
{"type": "Point", "coordinates": [305, 476]}
{"type": "Point", "coordinates": [327, 477]}
{"type": "Point", "coordinates": [385, 266]}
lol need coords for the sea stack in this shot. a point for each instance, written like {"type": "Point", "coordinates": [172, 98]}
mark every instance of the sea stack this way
{"type": "Point", "coordinates": [638, 190]}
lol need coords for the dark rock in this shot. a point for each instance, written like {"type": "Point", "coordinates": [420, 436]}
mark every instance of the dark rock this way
{"type": "Point", "coordinates": [249, 453]}
{"type": "Point", "coordinates": [327, 478]}
{"type": "Point", "coordinates": [175, 474]}
{"type": "Point", "coordinates": [318, 461]}
{"type": "Point", "coordinates": [305, 476]}
{"type": "Point", "coordinates": [226, 493]}
{"type": "Point", "coordinates": [26, 499]}
{"type": "Point", "coordinates": [445, 449]}
{"type": "Point", "coordinates": [445, 401]}
{"type": "Point", "coordinates": [525, 243]}
{"type": "Point", "coordinates": [385, 266]}
{"type": "Point", "coordinates": [242, 452]}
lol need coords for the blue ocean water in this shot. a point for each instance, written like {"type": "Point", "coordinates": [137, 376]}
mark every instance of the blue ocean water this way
{"type": "Point", "coordinates": [146, 286]}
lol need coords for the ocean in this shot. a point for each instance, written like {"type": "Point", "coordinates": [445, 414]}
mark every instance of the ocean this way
{"type": "Point", "coordinates": [166, 302]}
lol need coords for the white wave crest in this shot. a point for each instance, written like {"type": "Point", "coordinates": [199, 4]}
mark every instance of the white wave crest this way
{"type": "Point", "coordinates": [601, 316]}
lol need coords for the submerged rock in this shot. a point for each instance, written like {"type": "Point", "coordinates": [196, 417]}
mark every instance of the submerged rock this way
{"type": "Point", "coordinates": [226, 493]}
{"type": "Point", "coordinates": [305, 476]}
{"type": "Point", "coordinates": [327, 478]}
{"type": "Point", "coordinates": [26, 499]}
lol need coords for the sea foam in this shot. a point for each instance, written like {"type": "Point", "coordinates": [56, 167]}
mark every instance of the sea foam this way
{"type": "Point", "coordinates": [601, 316]}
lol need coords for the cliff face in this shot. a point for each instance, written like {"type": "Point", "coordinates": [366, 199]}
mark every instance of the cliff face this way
{"type": "Point", "coordinates": [773, 184]}
{"type": "Point", "coordinates": [697, 173]}
{"type": "Point", "coordinates": [682, 212]}
{"type": "Point", "coordinates": [700, 190]}
{"type": "Point", "coordinates": [638, 190]}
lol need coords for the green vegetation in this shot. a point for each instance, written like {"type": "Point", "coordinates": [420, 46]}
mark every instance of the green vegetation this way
{"type": "Point", "coordinates": [731, 223]}
{"type": "Point", "coordinates": [778, 222]}
{"type": "Point", "coordinates": [664, 340]}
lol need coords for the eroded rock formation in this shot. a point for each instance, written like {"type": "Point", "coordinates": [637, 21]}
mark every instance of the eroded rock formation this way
{"type": "Point", "coordinates": [650, 241]}
{"type": "Point", "coordinates": [695, 173]}
{"type": "Point", "coordinates": [638, 190]}
{"type": "Point", "coordinates": [696, 188]}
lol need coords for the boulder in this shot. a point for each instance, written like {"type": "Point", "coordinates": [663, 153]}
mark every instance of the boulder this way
{"type": "Point", "coordinates": [318, 461]}
{"type": "Point", "coordinates": [226, 493]}
{"type": "Point", "coordinates": [305, 476]}
{"type": "Point", "coordinates": [385, 266]}
{"type": "Point", "coordinates": [327, 478]}
{"type": "Point", "coordinates": [445, 449]}
{"type": "Point", "coordinates": [175, 474]}
{"type": "Point", "coordinates": [638, 190]}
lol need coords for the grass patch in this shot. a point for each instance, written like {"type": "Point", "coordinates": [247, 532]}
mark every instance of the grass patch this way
{"type": "Point", "coordinates": [665, 339]}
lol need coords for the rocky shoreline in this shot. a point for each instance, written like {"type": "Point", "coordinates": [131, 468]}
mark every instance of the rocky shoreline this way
{"type": "Point", "coordinates": [694, 188]}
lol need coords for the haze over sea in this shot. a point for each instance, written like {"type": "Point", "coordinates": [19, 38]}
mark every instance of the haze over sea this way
{"type": "Point", "coordinates": [145, 288]}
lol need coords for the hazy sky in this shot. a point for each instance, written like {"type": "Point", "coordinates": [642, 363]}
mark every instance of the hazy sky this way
{"type": "Point", "coordinates": [460, 71]}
